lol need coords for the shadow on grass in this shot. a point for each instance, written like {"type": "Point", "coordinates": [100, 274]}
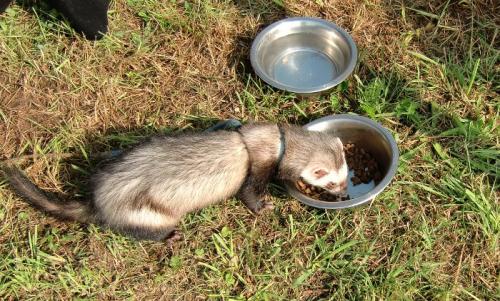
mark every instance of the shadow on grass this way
{"type": "Point", "coordinates": [89, 18]}
{"type": "Point", "coordinates": [49, 18]}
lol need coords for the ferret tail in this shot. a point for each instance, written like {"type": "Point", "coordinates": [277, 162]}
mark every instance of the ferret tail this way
{"type": "Point", "coordinates": [70, 210]}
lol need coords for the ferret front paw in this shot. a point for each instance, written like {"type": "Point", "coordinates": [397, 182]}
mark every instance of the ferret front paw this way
{"type": "Point", "coordinates": [173, 237]}
{"type": "Point", "coordinates": [262, 206]}
{"type": "Point", "coordinates": [267, 205]}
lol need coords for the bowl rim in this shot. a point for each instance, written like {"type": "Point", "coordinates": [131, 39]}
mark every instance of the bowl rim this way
{"type": "Point", "coordinates": [269, 80]}
{"type": "Point", "coordinates": [367, 197]}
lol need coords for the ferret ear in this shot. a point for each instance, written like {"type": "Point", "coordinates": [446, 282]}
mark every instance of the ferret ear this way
{"type": "Point", "coordinates": [319, 173]}
{"type": "Point", "coordinates": [339, 142]}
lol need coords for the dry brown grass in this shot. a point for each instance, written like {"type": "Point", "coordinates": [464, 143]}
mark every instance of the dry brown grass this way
{"type": "Point", "coordinates": [181, 65]}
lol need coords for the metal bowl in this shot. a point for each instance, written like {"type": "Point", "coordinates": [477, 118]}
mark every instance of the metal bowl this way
{"type": "Point", "coordinates": [374, 138]}
{"type": "Point", "coordinates": [303, 55]}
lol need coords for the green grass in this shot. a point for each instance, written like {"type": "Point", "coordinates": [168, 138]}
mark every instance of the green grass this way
{"type": "Point", "coordinates": [428, 71]}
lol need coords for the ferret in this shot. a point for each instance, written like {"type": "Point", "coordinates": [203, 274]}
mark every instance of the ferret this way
{"type": "Point", "coordinates": [145, 191]}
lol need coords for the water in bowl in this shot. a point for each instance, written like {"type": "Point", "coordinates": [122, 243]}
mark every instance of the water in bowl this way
{"type": "Point", "coordinates": [355, 191]}
{"type": "Point", "coordinates": [304, 67]}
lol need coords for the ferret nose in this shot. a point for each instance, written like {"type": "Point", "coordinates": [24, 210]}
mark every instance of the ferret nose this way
{"type": "Point", "coordinates": [343, 187]}
{"type": "Point", "coordinates": [338, 189]}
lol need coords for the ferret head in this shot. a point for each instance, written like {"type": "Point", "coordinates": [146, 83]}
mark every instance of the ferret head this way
{"type": "Point", "coordinates": [327, 167]}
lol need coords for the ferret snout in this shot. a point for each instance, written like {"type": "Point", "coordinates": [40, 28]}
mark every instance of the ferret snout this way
{"type": "Point", "coordinates": [337, 188]}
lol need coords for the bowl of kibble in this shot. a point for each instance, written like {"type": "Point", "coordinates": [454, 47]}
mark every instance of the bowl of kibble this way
{"type": "Point", "coordinates": [372, 157]}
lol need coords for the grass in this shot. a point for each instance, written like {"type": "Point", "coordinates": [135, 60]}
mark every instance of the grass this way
{"type": "Point", "coordinates": [428, 71]}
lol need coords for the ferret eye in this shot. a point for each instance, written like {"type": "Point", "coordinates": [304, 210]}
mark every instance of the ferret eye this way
{"type": "Point", "coordinates": [319, 173]}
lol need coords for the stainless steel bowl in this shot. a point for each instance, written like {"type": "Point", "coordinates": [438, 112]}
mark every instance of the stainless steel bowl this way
{"type": "Point", "coordinates": [372, 137]}
{"type": "Point", "coordinates": [303, 55]}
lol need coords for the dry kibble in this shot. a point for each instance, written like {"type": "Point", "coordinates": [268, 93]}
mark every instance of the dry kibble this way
{"type": "Point", "coordinates": [318, 193]}
{"type": "Point", "coordinates": [301, 184]}
{"type": "Point", "coordinates": [360, 161]}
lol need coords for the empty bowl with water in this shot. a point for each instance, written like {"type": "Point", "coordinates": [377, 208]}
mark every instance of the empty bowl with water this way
{"type": "Point", "coordinates": [303, 55]}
